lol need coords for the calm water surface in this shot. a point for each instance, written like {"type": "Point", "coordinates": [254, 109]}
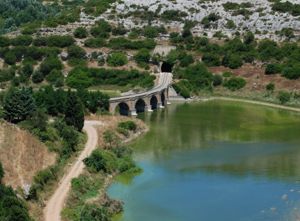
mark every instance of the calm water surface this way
{"type": "Point", "coordinates": [215, 161]}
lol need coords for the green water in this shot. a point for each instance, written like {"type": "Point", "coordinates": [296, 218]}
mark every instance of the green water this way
{"type": "Point", "coordinates": [213, 161]}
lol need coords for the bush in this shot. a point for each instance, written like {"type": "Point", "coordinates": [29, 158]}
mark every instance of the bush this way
{"type": "Point", "coordinates": [55, 76]}
{"type": "Point", "coordinates": [95, 42]}
{"type": "Point", "coordinates": [102, 160]}
{"type": "Point", "coordinates": [183, 88]}
{"type": "Point", "coordinates": [85, 77]}
{"type": "Point", "coordinates": [60, 41]}
{"type": "Point", "coordinates": [235, 83]}
{"type": "Point", "coordinates": [22, 40]}
{"type": "Point", "coordinates": [217, 80]}
{"type": "Point", "coordinates": [142, 56]}
{"type": "Point", "coordinates": [80, 32]}
{"type": "Point", "coordinates": [37, 77]}
{"type": "Point", "coordinates": [49, 64]}
{"type": "Point", "coordinates": [128, 125]}
{"type": "Point", "coordinates": [284, 97]}
{"type": "Point", "coordinates": [291, 72]}
{"type": "Point", "coordinates": [232, 61]}
{"type": "Point", "coordinates": [273, 69]}
{"type": "Point", "coordinates": [116, 59]}
{"type": "Point", "coordinates": [211, 59]}
{"type": "Point", "coordinates": [91, 212]}
{"type": "Point", "coordinates": [76, 52]}
{"type": "Point", "coordinates": [270, 87]}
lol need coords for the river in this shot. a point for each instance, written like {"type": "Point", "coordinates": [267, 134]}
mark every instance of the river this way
{"type": "Point", "coordinates": [215, 161]}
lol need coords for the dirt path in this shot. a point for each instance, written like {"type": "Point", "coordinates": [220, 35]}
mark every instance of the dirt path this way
{"type": "Point", "coordinates": [56, 203]}
{"type": "Point", "coordinates": [257, 102]}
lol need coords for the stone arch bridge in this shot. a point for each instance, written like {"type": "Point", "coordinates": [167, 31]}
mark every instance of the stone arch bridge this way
{"type": "Point", "coordinates": [156, 97]}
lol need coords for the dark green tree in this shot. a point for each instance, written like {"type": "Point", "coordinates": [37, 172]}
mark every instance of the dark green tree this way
{"type": "Point", "coordinates": [18, 104]}
{"type": "Point", "coordinates": [1, 172]}
{"type": "Point", "coordinates": [74, 113]}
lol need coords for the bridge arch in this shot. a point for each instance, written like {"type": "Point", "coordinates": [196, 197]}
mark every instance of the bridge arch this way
{"type": "Point", "coordinates": [154, 102]}
{"type": "Point", "coordinates": [123, 109]}
{"type": "Point", "coordinates": [140, 106]}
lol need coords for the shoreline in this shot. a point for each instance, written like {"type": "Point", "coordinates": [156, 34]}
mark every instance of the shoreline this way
{"type": "Point", "coordinates": [108, 123]}
{"type": "Point", "coordinates": [243, 100]}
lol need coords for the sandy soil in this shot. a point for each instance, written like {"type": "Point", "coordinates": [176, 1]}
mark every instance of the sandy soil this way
{"type": "Point", "coordinates": [56, 203]}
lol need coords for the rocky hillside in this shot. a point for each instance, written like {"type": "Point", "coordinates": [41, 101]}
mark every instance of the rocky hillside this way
{"type": "Point", "coordinates": [262, 17]}
{"type": "Point", "coordinates": [22, 155]}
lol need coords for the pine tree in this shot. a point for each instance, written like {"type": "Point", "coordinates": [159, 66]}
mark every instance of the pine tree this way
{"type": "Point", "coordinates": [18, 104]}
{"type": "Point", "coordinates": [74, 113]}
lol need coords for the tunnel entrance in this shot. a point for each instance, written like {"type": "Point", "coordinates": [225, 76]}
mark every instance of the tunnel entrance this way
{"type": "Point", "coordinates": [140, 106]}
{"type": "Point", "coordinates": [166, 67]}
{"type": "Point", "coordinates": [153, 102]}
{"type": "Point", "coordinates": [123, 109]}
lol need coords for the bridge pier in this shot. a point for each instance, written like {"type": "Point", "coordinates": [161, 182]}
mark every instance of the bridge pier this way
{"type": "Point", "coordinates": [133, 113]}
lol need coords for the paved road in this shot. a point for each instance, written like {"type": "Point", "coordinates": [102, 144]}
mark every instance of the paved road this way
{"type": "Point", "coordinates": [165, 80]}
{"type": "Point", "coordinates": [56, 203]}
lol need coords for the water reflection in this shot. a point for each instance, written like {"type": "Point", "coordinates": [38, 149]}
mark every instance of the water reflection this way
{"type": "Point", "coordinates": [235, 138]}
{"type": "Point", "coordinates": [237, 159]}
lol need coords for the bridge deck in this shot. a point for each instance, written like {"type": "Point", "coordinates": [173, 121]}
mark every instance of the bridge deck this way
{"type": "Point", "coordinates": [165, 79]}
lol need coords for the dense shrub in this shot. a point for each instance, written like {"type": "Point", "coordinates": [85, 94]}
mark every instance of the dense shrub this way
{"type": "Point", "coordinates": [102, 160]}
{"type": "Point", "coordinates": [211, 59]}
{"type": "Point", "coordinates": [197, 75]}
{"type": "Point", "coordinates": [232, 61]}
{"type": "Point", "coordinates": [76, 52]}
{"type": "Point", "coordinates": [123, 43]}
{"type": "Point", "coordinates": [49, 64]}
{"type": "Point", "coordinates": [235, 83]}
{"type": "Point", "coordinates": [116, 59]}
{"type": "Point", "coordinates": [85, 77]}
{"type": "Point", "coordinates": [291, 72]}
{"type": "Point", "coordinates": [80, 32]}
{"type": "Point", "coordinates": [60, 41]}
{"type": "Point", "coordinates": [128, 125]}
{"type": "Point", "coordinates": [142, 56]}
{"type": "Point", "coordinates": [284, 97]}
{"type": "Point", "coordinates": [95, 42]}
{"type": "Point", "coordinates": [183, 88]}
{"type": "Point", "coordinates": [273, 69]}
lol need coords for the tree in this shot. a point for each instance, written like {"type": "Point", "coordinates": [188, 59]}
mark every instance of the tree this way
{"type": "Point", "coordinates": [1, 172]}
{"type": "Point", "coordinates": [74, 113]}
{"type": "Point", "coordinates": [18, 104]}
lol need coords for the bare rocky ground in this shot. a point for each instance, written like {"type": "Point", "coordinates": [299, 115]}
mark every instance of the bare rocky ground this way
{"type": "Point", "coordinates": [261, 17]}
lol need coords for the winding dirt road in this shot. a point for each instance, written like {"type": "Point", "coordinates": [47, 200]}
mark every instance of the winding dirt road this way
{"type": "Point", "coordinates": [56, 203]}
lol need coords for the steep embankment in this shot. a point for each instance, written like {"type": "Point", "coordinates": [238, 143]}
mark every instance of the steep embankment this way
{"type": "Point", "coordinates": [22, 155]}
